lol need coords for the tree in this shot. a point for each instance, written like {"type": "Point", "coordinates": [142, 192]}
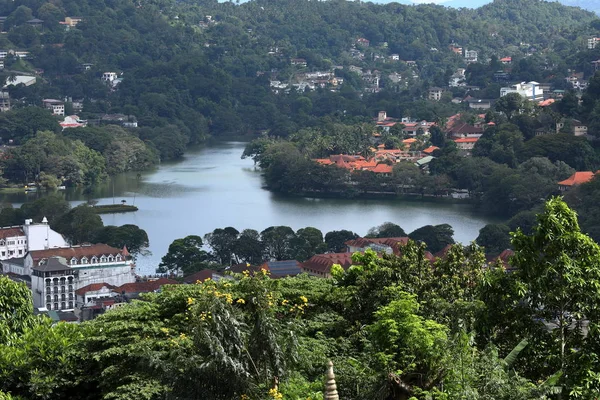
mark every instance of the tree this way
{"type": "Point", "coordinates": [248, 247]}
{"type": "Point", "coordinates": [509, 104]}
{"type": "Point", "coordinates": [495, 238]}
{"type": "Point", "coordinates": [335, 240]}
{"type": "Point", "coordinates": [16, 310]}
{"type": "Point", "coordinates": [277, 242]}
{"type": "Point", "coordinates": [80, 225]}
{"type": "Point", "coordinates": [386, 230]}
{"type": "Point", "coordinates": [559, 268]}
{"type": "Point", "coordinates": [129, 235]}
{"type": "Point", "coordinates": [308, 242]}
{"type": "Point", "coordinates": [435, 237]}
{"type": "Point", "coordinates": [438, 137]}
{"type": "Point", "coordinates": [222, 242]}
{"type": "Point", "coordinates": [52, 207]}
{"type": "Point", "coordinates": [184, 255]}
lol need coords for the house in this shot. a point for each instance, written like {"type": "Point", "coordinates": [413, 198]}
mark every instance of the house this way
{"type": "Point", "coordinates": [56, 106]}
{"type": "Point", "coordinates": [86, 66]}
{"type": "Point", "coordinates": [466, 143]}
{"type": "Point", "coordinates": [577, 178]}
{"type": "Point", "coordinates": [73, 121]}
{"type": "Point", "coordinates": [71, 22]}
{"type": "Point", "coordinates": [456, 49]}
{"type": "Point", "coordinates": [423, 163]}
{"type": "Point", "coordinates": [202, 276]}
{"type": "Point", "coordinates": [430, 150]}
{"type": "Point", "coordinates": [20, 53]}
{"type": "Point", "coordinates": [464, 130]}
{"type": "Point", "coordinates": [92, 292]}
{"type": "Point", "coordinates": [395, 57]}
{"type": "Point", "coordinates": [35, 22]}
{"type": "Point", "coordinates": [109, 76]}
{"type": "Point", "coordinates": [383, 169]}
{"type": "Point", "coordinates": [506, 60]}
{"type": "Point", "coordinates": [435, 93]}
{"type": "Point", "coordinates": [320, 264]}
{"type": "Point", "coordinates": [281, 269]}
{"type": "Point", "coordinates": [380, 245]}
{"type": "Point", "coordinates": [592, 43]}
{"type": "Point", "coordinates": [470, 56]}
{"type": "Point", "coordinates": [126, 121]}
{"type": "Point", "coordinates": [134, 289]}
{"type": "Point", "coordinates": [480, 104]}
{"type": "Point", "coordinates": [4, 101]}
{"type": "Point", "coordinates": [363, 42]}
{"type": "Point", "coordinates": [530, 90]}
{"type": "Point", "coordinates": [457, 79]}
{"type": "Point", "coordinates": [577, 128]}
{"type": "Point", "coordinates": [13, 244]}
{"type": "Point", "coordinates": [298, 62]}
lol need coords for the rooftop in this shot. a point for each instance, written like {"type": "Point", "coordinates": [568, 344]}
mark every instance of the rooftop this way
{"type": "Point", "coordinates": [578, 178]}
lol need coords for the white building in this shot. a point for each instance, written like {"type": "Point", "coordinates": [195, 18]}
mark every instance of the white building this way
{"type": "Point", "coordinates": [109, 76]}
{"type": "Point", "coordinates": [88, 295]}
{"type": "Point", "coordinates": [13, 242]}
{"type": "Point", "coordinates": [530, 90]}
{"type": "Point", "coordinates": [53, 284]}
{"type": "Point", "coordinates": [470, 56]}
{"type": "Point", "coordinates": [435, 93]}
{"type": "Point", "coordinates": [56, 106]}
{"type": "Point", "coordinates": [41, 236]}
{"type": "Point", "coordinates": [82, 266]}
{"type": "Point", "coordinates": [592, 42]}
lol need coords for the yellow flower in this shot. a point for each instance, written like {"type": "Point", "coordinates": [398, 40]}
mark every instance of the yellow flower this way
{"type": "Point", "coordinates": [244, 397]}
{"type": "Point", "coordinates": [165, 330]}
{"type": "Point", "coordinates": [241, 301]}
{"type": "Point", "coordinates": [284, 302]}
{"type": "Point", "coordinates": [190, 301]}
{"type": "Point", "coordinates": [229, 298]}
{"type": "Point", "coordinates": [246, 273]}
{"type": "Point", "coordinates": [274, 393]}
{"type": "Point", "coordinates": [304, 299]}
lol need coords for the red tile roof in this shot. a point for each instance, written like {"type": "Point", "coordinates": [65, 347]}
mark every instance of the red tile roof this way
{"type": "Point", "coordinates": [323, 262]}
{"type": "Point", "coordinates": [76, 251]}
{"type": "Point", "coordinates": [94, 287]}
{"type": "Point", "coordinates": [430, 149]}
{"type": "Point", "coordinates": [144, 287]}
{"type": "Point", "coordinates": [466, 140]}
{"type": "Point", "coordinates": [577, 178]}
{"type": "Point", "coordinates": [11, 232]}
{"type": "Point", "coordinates": [383, 169]}
{"type": "Point", "coordinates": [199, 276]}
{"type": "Point", "coordinates": [409, 141]}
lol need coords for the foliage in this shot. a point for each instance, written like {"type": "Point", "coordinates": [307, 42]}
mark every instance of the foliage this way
{"type": "Point", "coordinates": [185, 255]}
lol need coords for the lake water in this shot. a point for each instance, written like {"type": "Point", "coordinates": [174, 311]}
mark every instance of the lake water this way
{"type": "Point", "coordinates": [212, 187]}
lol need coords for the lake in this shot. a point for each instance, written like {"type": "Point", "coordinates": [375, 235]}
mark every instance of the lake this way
{"type": "Point", "coordinates": [212, 187]}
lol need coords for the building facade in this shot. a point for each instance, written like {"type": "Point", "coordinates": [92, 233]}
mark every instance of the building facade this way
{"type": "Point", "coordinates": [530, 90]}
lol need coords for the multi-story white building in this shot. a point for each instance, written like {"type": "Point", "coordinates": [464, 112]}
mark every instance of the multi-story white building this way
{"type": "Point", "coordinates": [471, 56]}
{"type": "Point", "coordinates": [530, 90]}
{"type": "Point", "coordinates": [13, 242]}
{"type": "Point", "coordinates": [56, 106]}
{"type": "Point", "coordinates": [592, 42]}
{"type": "Point", "coordinates": [109, 76]}
{"type": "Point", "coordinates": [86, 265]}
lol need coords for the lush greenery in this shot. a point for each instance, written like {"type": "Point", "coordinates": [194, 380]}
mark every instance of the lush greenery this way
{"type": "Point", "coordinates": [395, 327]}
{"type": "Point", "coordinates": [78, 225]}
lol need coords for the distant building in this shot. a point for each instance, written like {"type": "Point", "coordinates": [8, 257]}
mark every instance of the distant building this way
{"type": "Point", "coordinates": [470, 56]}
{"type": "Point", "coordinates": [109, 76]}
{"type": "Point", "coordinates": [56, 106]}
{"type": "Point", "coordinates": [578, 178]}
{"type": "Point", "coordinates": [298, 62]}
{"type": "Point", "coordinates": [592, 43]}
{"type": "Point", "coordinates": [480, 104]}
{"type": "Point", "coordinates": [20, 80]}
{"type": "Point", "coordinates": [435, 93]}
{"type": "Point", "coordinates": [320, 264]}
{"type": "Point", "coordinates": [530, 90]}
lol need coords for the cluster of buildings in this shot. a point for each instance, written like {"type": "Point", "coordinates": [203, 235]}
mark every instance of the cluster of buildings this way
{"type": "Point", "coordinates": [60, 275]}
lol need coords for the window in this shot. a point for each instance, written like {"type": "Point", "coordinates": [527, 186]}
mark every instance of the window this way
{"type": "Point", "coordinates": [20, 252]}
{"type": "Point", "coordinates": [63, 297]}
{"type": "Point", "coordinates": [48, 289]}
{"type": "Point", "coordinates": [2, 243]}
{"type": "Point", "coordinates": [55, 280]}
{"type": "Point", "coordinates": [70, 304]}
{"type": "Point", "coordinates": [84, 260]}
{"type": "Point", "coordinates": [102, 259]}
{"type": "Point", "coordinates": [94, 260]}
{"type": "Point", "coordinates": [63, 280]}
{"type": "Point", "coordinates": [48, 306]}
{"type": "Point", "coordinates": [11, 252]}
{"type": "Point", "coordinates": [48, 298]}
{"type": "Point", "coordinates": [63, 305]}
{"type": "Point", "coordinates": [118, 257]}
{"type": "Point", "coordinates": [111, 258]}
{"type": "Point", "coordinates": [55, 289]}
{"type": "Point", "coordinates": [3, 254]}
{"type": "Point", "coordinates": [56, 306]}
{"type": "Point", "coordinates": [70, 288]}
{"type": "Point", "coordinates": [62, 289]}
{"type": "Point", "coordinates": [70, 279]}
{"type": "Point", "coordinates": [55, 297]}
{"type": "Point", "coordinates": [70, 296]}
{"type": "Point", "coordinates": [73, 261]}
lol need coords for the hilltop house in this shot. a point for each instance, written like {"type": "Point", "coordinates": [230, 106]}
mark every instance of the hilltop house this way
{"type": "Point", "coordinates": [56, 106]}
{"type": "Point", "coordinates": [577, 178]}
{"type": "Point", "coordinates": [530, 90]}
{"type": "Point", "coordinates": [435, 93]}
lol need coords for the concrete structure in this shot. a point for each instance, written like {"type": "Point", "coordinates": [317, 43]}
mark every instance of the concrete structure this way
{"type": "Point", "coordinates": [20, 79]}
{"type": "Point", "coordinates": [56, 106]}
{"type": "Point", "coordinates": [82, 266]}
{"type": "Point", "coordinates": [592, 43]}
{"type": "Point", "coordinates": [530, 90]}
{"type": "Point", "coordinates": [435, 93]}
{"type": "Point", "coordinates": [13, 243]}
{"type": "Point", "coordinates": [53, 284]}
{"type": "Point", "coordinates": [470, 56]}
{"type": "Point", "coordinates": [41, 236]}
{"type": "Point", "coordinates": [89, 294]}
{"type": "Point", "coordinates": [480, 104]}
{"type": "Point", "coordinates": [73, 121]}
{"type": "Point", "coordinates": [466, 143]}
{"type": "Point", "coordinates": [4, 101]}
{"type": "Point", "coordinates": [109, 76]}
{"type": "Point", "coordinates": [380, 245]}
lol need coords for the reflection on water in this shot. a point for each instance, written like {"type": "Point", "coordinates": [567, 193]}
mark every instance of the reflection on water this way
{"type": "Point", "coordinates": [213, 187]}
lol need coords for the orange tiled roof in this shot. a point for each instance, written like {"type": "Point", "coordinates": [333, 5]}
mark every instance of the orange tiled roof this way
{"type": "Point", "coordinates": [383, 169]}
{"type": "Point", "coordinates": [577, 178]}
{"type": "Point", "coordinates": [467, 140]}
{"type": "Point", "coordinates": [431, 149]}
{"type": "Point", "coordinates": [409, 141]}
{"type": "Point", "coordinates": [323, 262]}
